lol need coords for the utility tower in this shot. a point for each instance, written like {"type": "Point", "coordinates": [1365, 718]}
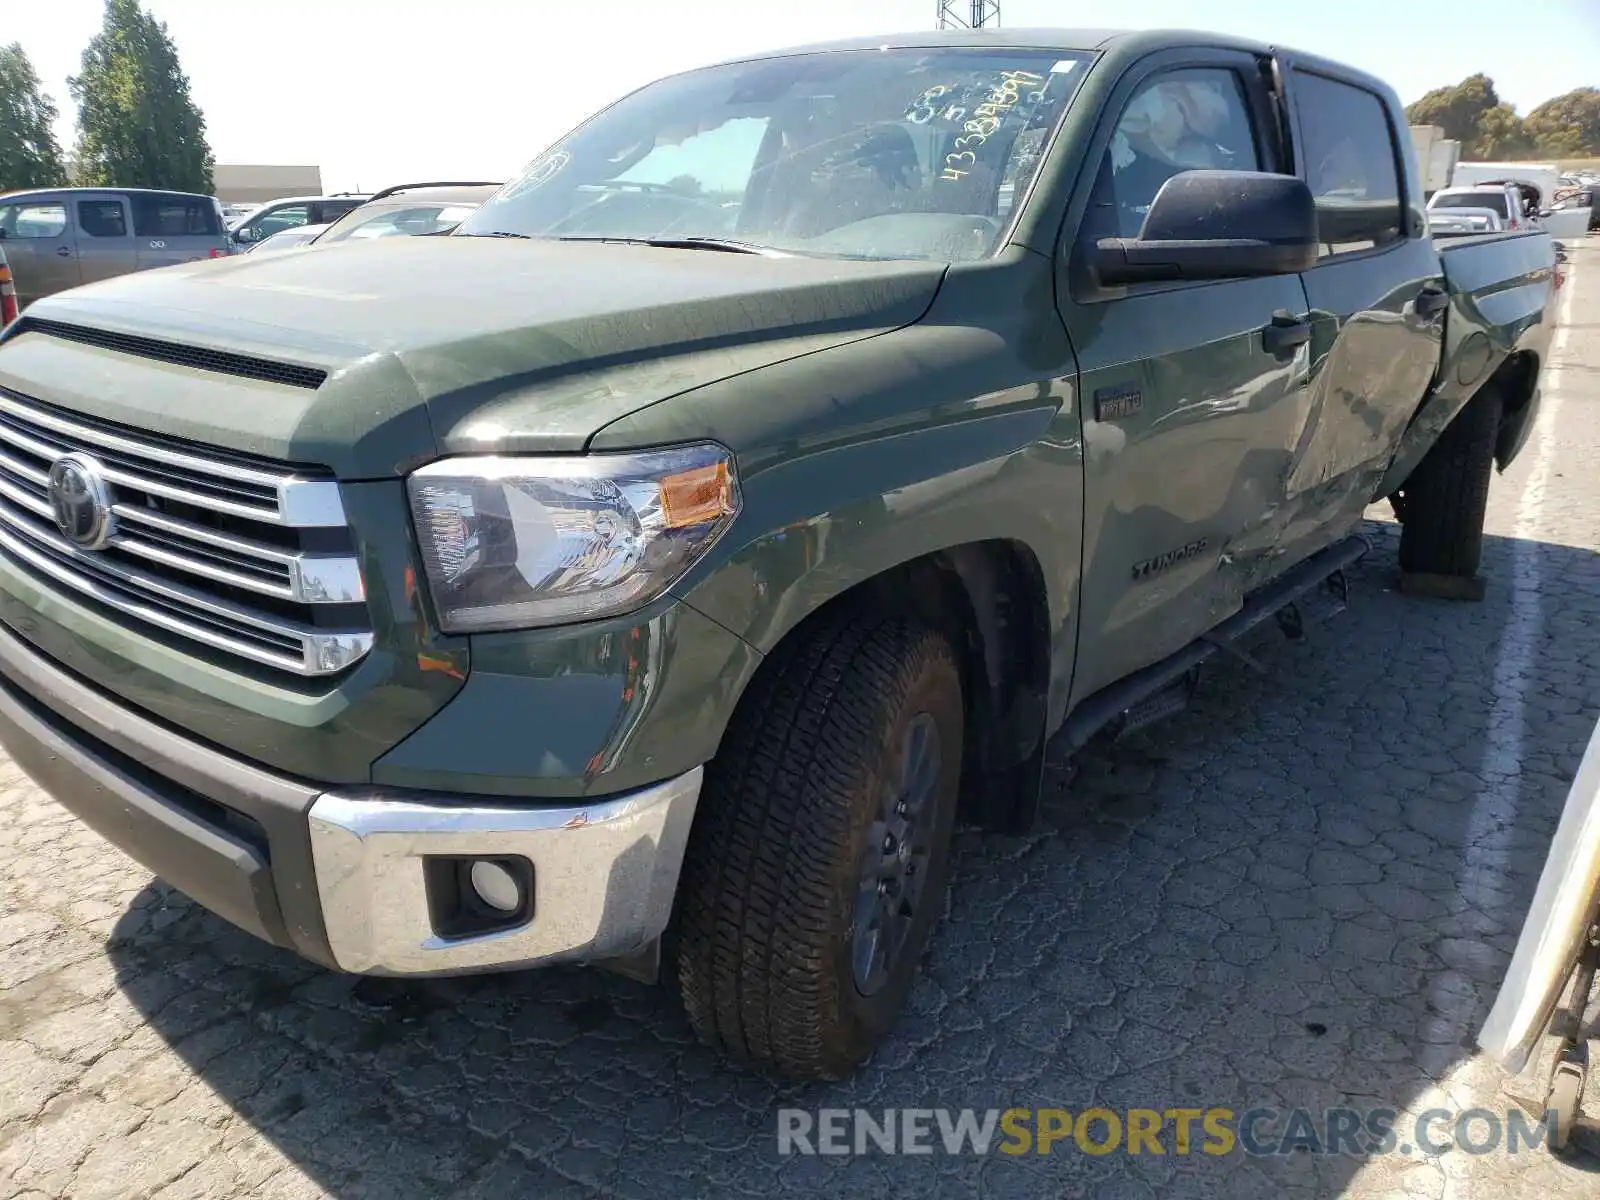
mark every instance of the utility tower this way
{"type": "Point", "coordinates": [969, 14]}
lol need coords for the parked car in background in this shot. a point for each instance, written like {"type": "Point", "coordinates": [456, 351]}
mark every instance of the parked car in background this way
{"type": "Point", "coordinates": [289, 213]}
{"type": "Point", "coordinates": [1541, 183]}
{"type": "Point", "coordinates": [58, 238]}
{"type": "Point", "coordinates": [1504, 200]}
{"type": "Point", "coordinates": [406, 211]}
{"type": "Point", "coordinates": [1585, 198]}
{"type": "Point", "coordinates": [286, 239]}
{"type": "Point", "coordinates": [234, 213]}
{"type": "Point", "coordinates": [411, 210]}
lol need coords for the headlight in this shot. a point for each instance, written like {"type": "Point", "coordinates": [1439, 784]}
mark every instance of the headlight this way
{"type": "Point", "coordinates": [510, 543]}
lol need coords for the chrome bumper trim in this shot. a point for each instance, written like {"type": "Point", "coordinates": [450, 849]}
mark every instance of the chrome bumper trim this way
{"type": "Point", "coordinates": [605, 874]}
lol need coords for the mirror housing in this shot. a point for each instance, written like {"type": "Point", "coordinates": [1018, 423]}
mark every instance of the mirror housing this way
{"type": "Point", "coordinates": [1206, 225]}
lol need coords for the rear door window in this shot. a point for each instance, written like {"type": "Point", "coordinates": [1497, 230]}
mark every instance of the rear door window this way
{"type": "Point", "coordinates": [327, 211]}
{"type": "Point", "coordinates": [1352, 165]}
{"type": "Point", "coordinates": [175, 216]}
{"type": "Point", "coordinates": [102, 218]}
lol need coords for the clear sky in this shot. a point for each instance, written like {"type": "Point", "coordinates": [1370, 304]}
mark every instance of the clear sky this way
{"type": "Point", "coordinates": [384, 91]}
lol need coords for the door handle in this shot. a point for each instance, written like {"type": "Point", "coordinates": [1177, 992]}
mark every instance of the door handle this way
{"type": "Point", "coordinates": [63, 251]}
{"type": "Point", "coordinates": [1432, 300]}
{"type": "Point", "coordinates": [1286, 332]}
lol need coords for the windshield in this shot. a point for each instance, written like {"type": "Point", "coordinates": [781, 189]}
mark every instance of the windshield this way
{"type": "Point", "coordinates": [864, 154]}
{"type": "Point", "coordinates": [408, 218]}
{"type": "Point", "coordinates": [1496, 201]}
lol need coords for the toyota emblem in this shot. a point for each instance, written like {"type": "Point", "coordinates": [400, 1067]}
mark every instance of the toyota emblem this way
{"type": "Point", "coordinates": [80, 501]}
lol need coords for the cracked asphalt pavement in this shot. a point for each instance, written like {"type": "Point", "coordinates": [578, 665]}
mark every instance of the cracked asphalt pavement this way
{"type": "Point", "coordinates": [1300, 892]}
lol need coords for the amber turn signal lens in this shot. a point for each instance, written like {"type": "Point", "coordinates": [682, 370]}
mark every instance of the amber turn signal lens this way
{"type": "Point", "coordinates": [696, 496]}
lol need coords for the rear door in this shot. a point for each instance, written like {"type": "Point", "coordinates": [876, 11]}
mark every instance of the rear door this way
{"type": "Point", "coordinates": [175, 228]}
{"type": "Point", "coordinates": [1190, 393]}
{"type": "Point", "coordinates": [41, 246]}
{"type": "Point", "coordinates": [105, 237]}
{"type": "Point", "coordinates": [1377, 293]}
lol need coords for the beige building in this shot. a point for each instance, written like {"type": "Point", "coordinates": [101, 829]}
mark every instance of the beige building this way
{"type": "Point", "coordinates": [238, 183]}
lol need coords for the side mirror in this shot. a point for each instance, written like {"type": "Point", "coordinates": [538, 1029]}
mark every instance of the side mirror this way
{"type": "Point", "coordinates": [1216, 225]}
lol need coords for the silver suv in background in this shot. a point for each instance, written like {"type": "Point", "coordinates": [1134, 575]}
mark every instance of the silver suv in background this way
{"type": "Point", "coordinates": [289, 213]}
{"type": "Point", "coordinates": [408, 210]}
{"type": "Point", "coordinates": [58, 238]}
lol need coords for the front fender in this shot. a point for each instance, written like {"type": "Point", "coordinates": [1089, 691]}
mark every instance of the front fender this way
{"type": "Point", "coordinates": [832, 520]}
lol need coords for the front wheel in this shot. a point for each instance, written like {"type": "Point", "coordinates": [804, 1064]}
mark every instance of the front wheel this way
{"type": "Point", "coordinates": [816, 868]}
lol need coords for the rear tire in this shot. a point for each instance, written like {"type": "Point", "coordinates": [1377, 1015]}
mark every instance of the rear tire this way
{"type": "Point", "coordinates": [798, 815]}
{"type": "Point", "coordinates": [1442, 505]}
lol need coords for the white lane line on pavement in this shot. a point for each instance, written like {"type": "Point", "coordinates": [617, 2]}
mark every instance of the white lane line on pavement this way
{"type": "Point", "coordinates": [1486, 844]}
{"type": "Point", "coordinates": [1482, 876]}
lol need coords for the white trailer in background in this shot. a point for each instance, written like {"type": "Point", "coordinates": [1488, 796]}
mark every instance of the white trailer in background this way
{"type": "Point", "coordinates": [1437, 156]}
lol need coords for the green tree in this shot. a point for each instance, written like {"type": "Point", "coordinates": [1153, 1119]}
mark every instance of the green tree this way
{"type": "Point", "coordinates": [1567, 126]}
{"type": "Point", "coordinates": [29, 153]}
{"type": "Point", "coordinates": [1473, 114]}
{"type": "Point", "coordinates": [137, 126]}
{"type": "Point", "coordinates": [1458, 109]}
{"type": "Point", "coordinates": [1501, 136]}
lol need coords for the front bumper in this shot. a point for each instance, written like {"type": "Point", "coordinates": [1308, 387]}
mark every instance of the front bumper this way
{"type": "Point", "coordinates": [604, 874]}
{"type": "Point", "coordinates": [339, 876]}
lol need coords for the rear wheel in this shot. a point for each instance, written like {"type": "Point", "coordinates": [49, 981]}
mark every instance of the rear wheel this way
{"type": "Point", "coordinates": [1442, 505]}
{"type": "Point", "coordinates": [816, 868]}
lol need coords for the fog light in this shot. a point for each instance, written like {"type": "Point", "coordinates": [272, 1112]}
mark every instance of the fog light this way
{"type": "Point", "coordinates": [496, 886]}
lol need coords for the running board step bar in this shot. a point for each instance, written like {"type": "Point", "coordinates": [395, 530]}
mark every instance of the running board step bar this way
{"type": "Point", "coordinates": [1164, 688]}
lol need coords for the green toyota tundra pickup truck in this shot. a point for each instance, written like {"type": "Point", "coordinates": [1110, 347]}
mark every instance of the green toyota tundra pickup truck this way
{"type": "Point", "coordinates": [652, 571]}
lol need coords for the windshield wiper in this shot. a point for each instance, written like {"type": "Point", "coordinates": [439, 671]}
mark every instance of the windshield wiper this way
{"type": "Point", "coordinates": [500, 233]}
{"type": "Point", "coordinates": [683, 243]}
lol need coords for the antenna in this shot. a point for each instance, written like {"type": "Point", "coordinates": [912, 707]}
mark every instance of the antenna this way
{"type": "Point", "coordinates": [979, 14]}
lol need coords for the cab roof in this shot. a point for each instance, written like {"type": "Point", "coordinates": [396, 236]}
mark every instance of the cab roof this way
{"type": "Point", "coordinates": [1066, 40]}
{"type": "Point", "coordinates": [1126, 44]}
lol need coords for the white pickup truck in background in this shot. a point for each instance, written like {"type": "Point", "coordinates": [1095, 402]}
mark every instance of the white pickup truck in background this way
{"type": "Point", "coordinates": [1545, 178]}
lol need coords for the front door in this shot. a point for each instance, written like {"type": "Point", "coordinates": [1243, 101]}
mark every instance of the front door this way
{"type": "Point", "coordinates": [40, 246]}
{"type": "Point", "coordinates": [1192, 394]}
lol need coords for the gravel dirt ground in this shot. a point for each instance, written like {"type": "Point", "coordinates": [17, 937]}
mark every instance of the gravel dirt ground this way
{"type": "Point", "coordinates": [1300, 893]}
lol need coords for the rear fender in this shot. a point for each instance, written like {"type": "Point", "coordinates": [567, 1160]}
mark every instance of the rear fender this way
{"type": "Point", "coordinates": [1498, 329]}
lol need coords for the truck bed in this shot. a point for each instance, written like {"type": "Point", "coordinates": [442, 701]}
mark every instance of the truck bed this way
{"type": "Point", "coordinates": [1501, 285]}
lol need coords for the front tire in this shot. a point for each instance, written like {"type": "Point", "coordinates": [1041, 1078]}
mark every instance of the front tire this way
{"type": "Point", "coordinates": [817, 864]}
{"type": "Point", "coordinates": [1442, 505]}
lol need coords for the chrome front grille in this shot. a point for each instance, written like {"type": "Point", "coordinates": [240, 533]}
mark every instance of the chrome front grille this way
{"type": "Point", "coordinates": [243, 558]}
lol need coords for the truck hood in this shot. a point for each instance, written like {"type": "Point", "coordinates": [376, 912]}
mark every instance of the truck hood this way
{"type": "Point", "coordinates": [440, 345]}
